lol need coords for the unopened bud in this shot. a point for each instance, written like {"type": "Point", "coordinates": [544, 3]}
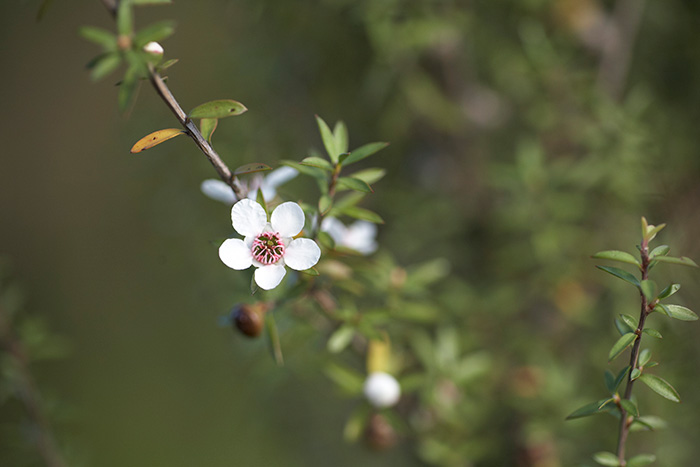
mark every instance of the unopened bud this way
{"type": "Point", "coordinates": [153, 48]}
{"type": "Point", "coordinates": [381, 389]}
{"type": "Point", "coordinates": [248, 319]}
{"type": "Point", "coordinates": [380, 435]}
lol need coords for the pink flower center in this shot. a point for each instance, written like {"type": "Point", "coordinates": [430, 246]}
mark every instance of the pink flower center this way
{"type": "Point", "coordinates": [268, 248]}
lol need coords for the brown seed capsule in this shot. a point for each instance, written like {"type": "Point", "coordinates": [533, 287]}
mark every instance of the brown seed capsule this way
{"type": "Point", "coordinates": [380, 435]}
{"type": "Point", "coordinates": [248, 319]}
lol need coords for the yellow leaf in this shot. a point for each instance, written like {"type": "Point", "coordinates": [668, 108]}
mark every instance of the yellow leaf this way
{"type": "Point", "coordinates": [155, 138]}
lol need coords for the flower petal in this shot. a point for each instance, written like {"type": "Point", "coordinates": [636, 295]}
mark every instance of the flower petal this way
{"type": "Point", "coordinates": [334, 228]}
{"type": "Point", "coordinates": [287, 219]}
{"type": "Point", "coordinates": [248, 217]}
{"type": "Point", "coordinates": [279, 176]}
{"type": "Point", "coordinates": [235, 254]}
{"type": "Point", "coordinates": [269, 277]}
{"type": "Point", "coordinates": [218, 190]}
{"type": "Point", "coordinates": [360, 237]}
{"type": "Point", "coordinates": [302, 254]}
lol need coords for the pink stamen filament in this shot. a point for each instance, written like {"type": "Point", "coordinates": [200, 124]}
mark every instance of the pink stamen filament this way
{"type": "Point", "coordinates": [268, 248]}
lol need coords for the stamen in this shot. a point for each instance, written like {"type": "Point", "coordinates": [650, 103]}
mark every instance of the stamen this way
{"type": "Point", "coordinates": [268, 248]}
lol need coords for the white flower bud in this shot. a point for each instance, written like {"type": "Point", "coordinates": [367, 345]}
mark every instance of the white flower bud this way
{"type": "Point", "coordinates": [382, 390]}
{"type": "Point", "coordinates": [153, 48]}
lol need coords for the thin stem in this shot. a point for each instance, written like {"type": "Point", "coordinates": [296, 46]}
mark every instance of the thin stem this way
{"type": "Point", "coordinates": [29, 395]}
{"type": "Point", "coordinates": [625, 421]}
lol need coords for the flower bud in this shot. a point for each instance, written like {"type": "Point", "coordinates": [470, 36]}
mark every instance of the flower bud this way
{"type": "Point", "coordinates": [153, 48]}
{"type": "Point", "coordinates": [380, 435]}
{"type": "Point", "coordinates": [381, 389]}
{"type": "Point", "coordinates": [248, 319]}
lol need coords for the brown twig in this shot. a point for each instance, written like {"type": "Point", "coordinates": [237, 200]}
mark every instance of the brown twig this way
{"type": "Point", "coordinates": [29, 394]}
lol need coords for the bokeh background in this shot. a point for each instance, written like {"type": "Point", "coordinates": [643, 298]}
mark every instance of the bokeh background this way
{"type": "Point", "coordinates": [525, 136]}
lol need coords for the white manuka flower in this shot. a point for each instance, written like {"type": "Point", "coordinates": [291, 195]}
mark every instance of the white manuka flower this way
{"type": "Point", "coordinates": [220, 191]}
{"type": "Point", "coordinates": [359, 236]}
{"type": "Point", "coordinates": [153, 48]}
{"type": "Point", "coordinates": [381, 389]}
{"type": "Point", "coordinates": [268, 246]}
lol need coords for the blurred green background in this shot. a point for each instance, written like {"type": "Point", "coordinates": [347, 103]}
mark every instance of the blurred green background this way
{"type": "Point", "coordinates": [525, 136]}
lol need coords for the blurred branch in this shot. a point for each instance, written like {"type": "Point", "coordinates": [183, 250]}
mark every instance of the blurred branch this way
{"type": "Point", "coordinates": [618, 45]}
{"type": "Point", "coordinates": [29, 394]}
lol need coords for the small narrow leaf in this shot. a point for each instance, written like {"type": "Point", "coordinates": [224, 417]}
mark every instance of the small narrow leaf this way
{"type": "Point", "coordinates": [661, 387]}
{"type": "Point", "coordinates": [99, 36]}
{"type": "Point", "coordinates": [668, 291]}
{"type": "Point", "coordinates": [680, 312]}
{"type": "Point", "coordinates": [622, 274]}
{"type": "Point", "coordinates": [648, 422]}
{"type": "Point", "coordinates": [340, 134]}
{"type": "Point", "coordinates": [363, 214]}
{"type": "Point", "coordinates": [325, 203]}
{"type": "Point", "coordinates": [218, 109]}
{"type": "Point", "coordinates": [622, 326]}
{"type": "Point", "coordinates": [317, 162]}
{"type": "Point", "coordinates": [588, 409]}
{"type": "Point", "coordinates": [104, 65]}
{"type": "Point", "coordinates": [364, 151]}
{"type": "Point", "coordinates": [311, 272]}
{"type": "Point", "coordinates": [644, 357]}
{"type": "Point", "coordinates": [328, 140]}
{"type": "Point", "coordinates": [621, 376]}
{"type": "Point", "coordinates": [652, 230]}
{"type": "Point", "coordinates": [326, 240]}
{"type": "Point", "coordinates": [207, 126]}
{"type": "Point", "coordinates": [155, 32]}
{"type": "Point", "coordinates": [370, 176]}
{"type": "Point", "coordinates": [630, 407]}
{"type": "Point", "coordinates": [341, 338]}
{"type": "Point", "coordinates": [273, 339]}
{"type": "Point", "coordinates": [636, 373]}
{"type": "Point", "coordinates": [356, 424]}
{"type": "Point", "coordinates": [125, 19]}
{"type": "Point", "coordinates": [616, 255]}
{"type": "Point", "coordinates": [606, 458]}
{"type": "Point", "coordinates": [610, 381]}
{"type": "Point", "coordinates": [167, 64]}
{"type": "Point", "coordinates": [661, 250]}
{"type": "Point", "coordinates": [155, 138]}
{"type": "Point", "coordinates": [641, 460]}
{"type": "Point", "coordinates": [683, 260]}
{"type": "Point", "coordinates": [252, 168]}
{"type": "Point", "coordinates": [128, 88]}
{"type": "Point", "coordinates": [648, 289]}
{"type": "Point", "coordinates": [354, 184]}
{"type": "Point", "coordinates": [653, 333]}
{"type": "Point", "coordinates": [629, 321]}
{"type": "Point", "coordinates": [622, 343]}
{"type": "Point", "coordinates": [348, 379]}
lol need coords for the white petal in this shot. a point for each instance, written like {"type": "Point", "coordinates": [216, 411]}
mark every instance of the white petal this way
{"type": "Point", "coordinates": [360, 237]}
{"type": "Point", "coordinates": [334, 228]}
{"type": "Point", "coordinates": [279, 176]}
{"type": "Point", "coordinates": [287, 219]}
{"type": "Point", "coordinates": [248, 217]}
{"type": "Point", "coordinates": [235, 254]}
{"type": "Point", "coordinates": [381, 389]}
{"type": "Point", "coordinates": [218, 190]}
{"type": "Point", "coordinates": [302, 254]}
{"type": "Point", "coordinates": [269, 277]}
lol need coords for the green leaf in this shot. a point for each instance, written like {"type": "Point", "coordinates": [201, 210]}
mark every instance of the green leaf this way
{"type": "Point", "coordinates": [622, 343]}
{"type": "Point", "coordinates": [253, 167]}
{"type": "Point", "coordinates": [325, 203]}
{"type": "Point", "coordinates": [648, 289]}
{"type": "Point", "coordinates": [99, 36]}
{"type": "Point", "coordinates": [661, 250]}
{"type": "Point", "coordinates": [641, 460]}
{"type": "Point", "coordinates": [125, 19]}
{"type": "Point", "coordinates": [683, 260]}
{"type": "Point", "coordinates": [354, 184]}
{"type": "Point", "coordinates": [610, 381]}
{"type": "Point", "coordinates": [661, 387]}
{"type": "Point", "coordinates": [644, 357]}
{"type": "Point", "coordinates": [155, 32]}
{"type": "Point", "coordinates": [341, 338]}
{"type": "Point", "coordinates": [168, 63]}
{"type": "Point", "coordinates": [128, 88]}
{"type": "Point", "coordinates": [588, 409]}
{"type": "Point", "coordinates": [616, 255]}
{"type": "Point", "coordinates": [314, 172]}
{"type": "Point", "coordinates": [311, 272]}
{"type": "Point", "coordinates": [606, 458]}
{"type": "Point", "coordinates": [328, 140]}
{"type": "Point", "coordinates": [622, 274]}
{"type": "Point", "coordinates": [342, 156]}
{"type": "Point", "coordinates": [326, 240]}
{"type": "Point", "coordinates": [623, 326]}
{"type": "Point", "coordinates": [370, 176]}
{"type": "Point", "coordinates": [155, 138]}
{"type": "Point", "coordinates": [218, 109]}
{"type": "Point", "coordinates": [364, 151]}
{"type": "Point", "coordinates": [636, 373]}
{"type": "Point", "coordinates": [621, 376]}
{"type": "Point", "coordinates": [273, 339]}
{"type": "Point", "coordinates": [362, 214]}
{"type": "Point", "coordinates": [668, 291]}
{"type": "Point", "coordinates": [317, 162]}
{"type": "Point", "coordinates": [356, 424]}
{"type": "Point", "coordinates": [104, 65]}
{"type": "Point", "coordinates": [348, 379]}
{"type": "Point", "coordinates": [679, 312]}
{"type": "Point", "coordinates": [652, 230]}
{"type": "Point", "coordinates": [652, 332]}
{"type": "Point", "coordinates": [629, 321]}
{"type": "Point", "coordinates": [648, 422]}
{"type": "Point", "coordinates": [340, 134]}
{"type": "Point", "coordinates": [207, 126]}
{"type": "Point", "coordinates": [260, 199]}
{"type": "Point", "coordinates": [630, 407]}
